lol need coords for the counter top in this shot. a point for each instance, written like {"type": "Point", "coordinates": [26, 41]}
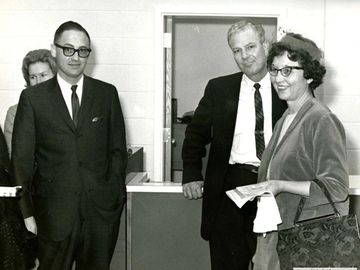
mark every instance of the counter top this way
{"type": "Point", "coordinates": [354, 184]}
{"type": "Point", "coordinates": [140, 183]}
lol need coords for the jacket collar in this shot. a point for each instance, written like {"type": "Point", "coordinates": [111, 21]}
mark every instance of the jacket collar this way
{"type": "Point", "coordinates": [86, 102]}
{"type": "Point", "coordinates": [274, 146]}
{"type": "Point", "coordinates": [299, 117]}
{"type": "Point", "coordinates": [60, 106]}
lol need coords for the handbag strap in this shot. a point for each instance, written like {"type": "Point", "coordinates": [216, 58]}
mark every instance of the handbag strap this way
{"type": "Point", "coordinates": [303, 199]}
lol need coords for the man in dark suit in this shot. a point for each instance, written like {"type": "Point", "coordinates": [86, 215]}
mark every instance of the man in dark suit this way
{"type": "Point", "coordinates": [71, 130]}
{"type": "Point", "coordinates": [237, 121]}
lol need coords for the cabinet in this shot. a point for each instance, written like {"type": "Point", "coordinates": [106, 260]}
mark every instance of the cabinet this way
{"type": "Point", "coordinates": [135, 165]}
{"type": "Point", "coordinates": [178, 139]}
{"type": "Point", "coordinates": [176, 160]}
{"type": "Point", "coordinates": [163, 228]}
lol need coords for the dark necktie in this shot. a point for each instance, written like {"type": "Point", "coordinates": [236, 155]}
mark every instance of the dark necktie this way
{"type": "Point", "coordinates": [259, 126]}
{"type": "Point", "coordinates": [75, 105]}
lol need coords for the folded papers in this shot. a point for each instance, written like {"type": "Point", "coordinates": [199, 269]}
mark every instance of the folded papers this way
{"type": "Point", "coordinates": [9, 191]}
{"type": "Point", "coordinates": [268, 215]}
{"type": "Point", "coordinates": [241, 195]}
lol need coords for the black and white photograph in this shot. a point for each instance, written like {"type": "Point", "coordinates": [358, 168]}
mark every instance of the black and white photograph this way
{"type": "Point", "coordinates": [166, 134]}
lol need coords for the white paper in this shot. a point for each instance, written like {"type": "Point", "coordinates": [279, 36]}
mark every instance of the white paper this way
{"type": "Point", "coordinates": [268, 215]}
{"type": "Point", "coordinates": [9, 191]}
{"type": "Point", "coordinates": [241, 195]}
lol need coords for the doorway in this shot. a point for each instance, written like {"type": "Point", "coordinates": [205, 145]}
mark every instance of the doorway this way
{"type": "Point", "coordinates": [194, 50]}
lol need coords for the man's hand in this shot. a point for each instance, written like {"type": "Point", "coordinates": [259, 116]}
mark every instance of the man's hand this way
{"type": "Point", "coordinates": [30, 224]}
{"type": "Point", "coordinates": [193, 190]}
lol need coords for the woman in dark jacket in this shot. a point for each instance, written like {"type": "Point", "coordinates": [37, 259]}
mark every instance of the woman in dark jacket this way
{"type": "Point", "coordinates": [14, 249]}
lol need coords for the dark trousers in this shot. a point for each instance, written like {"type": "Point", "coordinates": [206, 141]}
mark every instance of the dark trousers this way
{"type": "Point", "coordinates": [232, 241]}
{"type": "Point", "coordinates": [90, 245]}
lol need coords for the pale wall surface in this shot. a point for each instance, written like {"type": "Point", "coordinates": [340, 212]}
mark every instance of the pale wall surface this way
{"type": "Point", "coordinates": [123, 41]}
{"type": "Point", "coordinates": [201, 52]}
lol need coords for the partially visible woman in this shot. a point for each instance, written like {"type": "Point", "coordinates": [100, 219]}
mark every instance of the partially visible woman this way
{"type": "Point", "coordinates": [12, 252]}
{"type": "Point", "coordinates": [38, 66]}
{"type": "Point", "coordinates": [308, 143]}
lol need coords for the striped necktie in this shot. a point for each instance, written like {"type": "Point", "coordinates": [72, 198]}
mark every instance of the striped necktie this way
{"type": "Point", "coordinates": [259, 126]}
{"type": "Point", "coordinates": [75, 105]}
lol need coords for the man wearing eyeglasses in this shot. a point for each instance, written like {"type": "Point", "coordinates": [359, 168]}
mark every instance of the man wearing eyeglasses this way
{"type": "Point", "coordinates": [72, 128]}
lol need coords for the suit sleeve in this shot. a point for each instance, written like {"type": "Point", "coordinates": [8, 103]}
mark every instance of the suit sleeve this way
{"type": "Point", "coordinates": [197, 136]}
{"type": "Point", "coordinates": [4, 156]}
{"type": "Point", "coordinates": [9, 125]}
{"type": "Point", "coordinates": [23, 147]}
{"type": "Point", "coordinates": [117, 143]}
{"type": "Point", "coordinates": [330, 162]}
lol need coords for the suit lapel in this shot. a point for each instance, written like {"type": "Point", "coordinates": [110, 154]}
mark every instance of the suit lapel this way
{"type": "Point", "coordinates": [230, 108]}
{"type": "Point", "coordinates": [299, 116]}
{"type": "Point", "coordinates": [86, 101]}
{"type": "Point", "coordinates": [278, 106]}
{"type": "Point", "coordinates": [58, 101]}
{"type": "Point", "coordinates": [232, 103]}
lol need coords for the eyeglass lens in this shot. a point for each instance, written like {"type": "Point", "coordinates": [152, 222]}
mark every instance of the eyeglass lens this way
{"type": "Point", "coordinates": [68, 51]}
{"type": "Point", "coordinates": [71, 51]}
{"type": "Point", "coordinates": [285, 71]}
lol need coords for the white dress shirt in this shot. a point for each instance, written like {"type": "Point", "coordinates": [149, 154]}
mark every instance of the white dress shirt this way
{"type": "Point", "coordinates": [243, 149]}
{"type": "Point", "coordinates": [67, 92]}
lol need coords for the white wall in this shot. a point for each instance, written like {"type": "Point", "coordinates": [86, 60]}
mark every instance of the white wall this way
{"type": "Point", "coordinates": [123, 33]}
{"type": "Point", "coordinates": [341, 89]}
{"type": "Point", "coordinates": [201, 52]}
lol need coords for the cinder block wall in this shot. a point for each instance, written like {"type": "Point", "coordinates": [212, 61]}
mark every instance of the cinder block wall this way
{"type": "Point", "coordinates": [123, 47]}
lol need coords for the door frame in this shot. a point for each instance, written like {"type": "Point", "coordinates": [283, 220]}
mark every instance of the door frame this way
{"type": "Point", "coordinates": [162, 41]}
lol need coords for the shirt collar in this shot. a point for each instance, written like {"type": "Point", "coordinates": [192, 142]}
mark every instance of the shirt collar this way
{"type": "Point", "coordinates": [265, 82]}
{"type": "Point", "coordinates": [247, 85]}
{"type": "Point", "coordinates": [64, 85]}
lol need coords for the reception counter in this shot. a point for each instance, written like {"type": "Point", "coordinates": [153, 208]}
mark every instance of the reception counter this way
{"type": "Point", "coordinates": [354, 184]}
{"type": "Point", "coordinates": [140, 183]}
{"type": "Point", "coordinates": [163, 228]}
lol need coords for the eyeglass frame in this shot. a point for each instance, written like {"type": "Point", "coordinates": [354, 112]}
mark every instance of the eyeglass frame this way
{"type": "Point", "coordinates": [272, 69]}
{"type": "Point", "coordinates": [75, 50]}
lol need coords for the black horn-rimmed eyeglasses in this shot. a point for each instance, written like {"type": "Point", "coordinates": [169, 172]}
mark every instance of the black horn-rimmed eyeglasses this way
{"type": "Point", "coordinates": [69, 51]}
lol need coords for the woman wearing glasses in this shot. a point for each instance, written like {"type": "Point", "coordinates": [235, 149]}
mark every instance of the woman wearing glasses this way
{"type": "Point", "coordinates": [308, 143]}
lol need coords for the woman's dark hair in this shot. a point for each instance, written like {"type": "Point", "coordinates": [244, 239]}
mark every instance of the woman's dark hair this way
{"type": "Point", "coordinates": [313, 69]}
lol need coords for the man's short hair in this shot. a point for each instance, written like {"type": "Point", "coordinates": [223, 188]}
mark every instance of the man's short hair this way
{"type": "Point", "coordinates": [70, 25]}
{"type": "Point", "coordinates": [241, 25]}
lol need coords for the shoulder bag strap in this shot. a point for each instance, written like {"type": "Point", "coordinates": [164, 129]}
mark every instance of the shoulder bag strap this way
{"type": "Point", "coordinates": [327, 195]}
